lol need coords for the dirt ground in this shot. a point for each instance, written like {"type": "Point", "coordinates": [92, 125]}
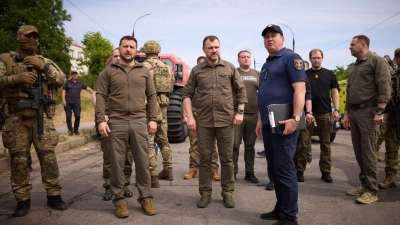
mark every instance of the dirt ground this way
{"type": "Point", "coordinates": [87, 113]}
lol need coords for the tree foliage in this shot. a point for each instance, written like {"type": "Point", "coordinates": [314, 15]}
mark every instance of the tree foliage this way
{"type": "Point", "coordinates": [97, 50]}
{"type": "Point", "coordinates": [341, 72]}
{"type": "Point", "coordinates": [48, 16]}
{"type": "Point", "coordinates": [62, 59]}
{"type": "Point", "coordinates": [390, 62]}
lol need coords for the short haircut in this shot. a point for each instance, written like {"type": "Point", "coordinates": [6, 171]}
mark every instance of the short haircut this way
{"type": "Point", "coordinates": [306, 62]}
{"type": "Point", "coordinates": [362, 38]}
{"type": "Point", "coordinates": [117, 48]}
{"type": "Point", "coordinates": [211, 38]}
{"type": "Point", "coordinates": [316, 50]}
{"type": "Point", "coordinates": [128, 37]}
{"type": "Point", "coordinates": [200, 58]}
{"type": "Point", "coordinates": [243, 51]}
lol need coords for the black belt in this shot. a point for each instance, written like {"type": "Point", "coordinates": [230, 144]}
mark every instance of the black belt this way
{"type": "Point", "coordinates": [363, 105]}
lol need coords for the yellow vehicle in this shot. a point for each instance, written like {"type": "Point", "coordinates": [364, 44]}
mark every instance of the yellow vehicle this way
{"type": "Point", "coordinates": [342, 97]}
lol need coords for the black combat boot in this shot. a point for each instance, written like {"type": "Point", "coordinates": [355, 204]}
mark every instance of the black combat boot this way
{"type": "Point", "coordinates": [22, 208]}
{"type": "Point", "coordinates": [56, 202]}
{"type": "Point", "coordinates": [300, 176]}
{"type": "Point", "coordinates": [251, 178]}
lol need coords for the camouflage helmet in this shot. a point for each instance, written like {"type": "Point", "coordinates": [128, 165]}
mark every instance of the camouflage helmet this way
{"type": "Point", "coordinates": [152, 47]}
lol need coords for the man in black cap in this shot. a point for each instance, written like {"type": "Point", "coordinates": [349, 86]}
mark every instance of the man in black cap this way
{"type": "Point", "coordinates": [71, 100]}
{"type": "Point", "coordinates": [282, 81]}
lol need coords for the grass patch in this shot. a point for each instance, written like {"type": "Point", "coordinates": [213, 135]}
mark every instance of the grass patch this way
{"type": "Point", "coordinates": [87, 113]}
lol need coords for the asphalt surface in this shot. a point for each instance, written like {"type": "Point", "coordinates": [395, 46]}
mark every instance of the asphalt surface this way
{"type": "Point", "coordinates": [175, 201]}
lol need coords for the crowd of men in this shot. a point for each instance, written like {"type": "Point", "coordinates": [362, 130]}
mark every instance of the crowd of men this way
{"type": "Point", "coordinates": [222, 105]}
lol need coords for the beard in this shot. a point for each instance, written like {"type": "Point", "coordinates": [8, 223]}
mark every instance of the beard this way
{"type": "Point", "coordinates": [27, 46]}
{"type": "Point", "coordinates": [123, 58]}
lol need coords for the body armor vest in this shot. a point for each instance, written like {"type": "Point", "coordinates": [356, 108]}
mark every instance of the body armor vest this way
{"type": "Point", "coordinates": [11, 95]}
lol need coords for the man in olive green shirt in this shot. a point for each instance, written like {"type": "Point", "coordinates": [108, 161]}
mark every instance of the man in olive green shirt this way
{"type": "Point", "coordinates": [246, 130]}
{"type": "Point", "coordinates": [128, 81]}
{"type": "Point", "coordinates": [368, 91]}
{"type": "Point", "coordinates": [216, 81]}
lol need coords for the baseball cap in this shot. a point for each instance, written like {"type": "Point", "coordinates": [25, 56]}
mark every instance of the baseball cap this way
{"type": "Point", "coordinates": [272, 27]}
{"type": "Point", "coordinates": [74, 72]}
{"type": "Point", "coordinates": [27, 29]}
{"type": "Point", "coordinates": [397, 51]}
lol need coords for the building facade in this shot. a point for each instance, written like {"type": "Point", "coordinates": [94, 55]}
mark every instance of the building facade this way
{"type": "Point", "coordinates": [76, 52]}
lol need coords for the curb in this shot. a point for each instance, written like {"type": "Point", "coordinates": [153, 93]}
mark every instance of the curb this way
{"type": "Point", "coordinates": [61, 147]}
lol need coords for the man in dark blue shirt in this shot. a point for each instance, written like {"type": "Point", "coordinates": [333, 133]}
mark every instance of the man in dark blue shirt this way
{"type": "Point", "coordinates": [282, 80]}
{"type": "Point", "coordinates": [71, 100]}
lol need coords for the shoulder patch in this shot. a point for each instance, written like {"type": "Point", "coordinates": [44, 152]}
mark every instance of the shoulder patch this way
{"type": "Point", "coordinates": [298, 64]}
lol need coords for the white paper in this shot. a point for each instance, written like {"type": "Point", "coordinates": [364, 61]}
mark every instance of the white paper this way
{"type": "Point", "coordinates": [271, 119]}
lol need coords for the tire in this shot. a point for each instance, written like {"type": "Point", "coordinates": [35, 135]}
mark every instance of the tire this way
{"type": "Point", "coordinates": [333, 136]}
{"type": "Point", "coordinates": [177, 131]}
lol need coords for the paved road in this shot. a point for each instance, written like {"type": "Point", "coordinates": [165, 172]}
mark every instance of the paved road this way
{"type": "Point", "coordinates": [175, 201]}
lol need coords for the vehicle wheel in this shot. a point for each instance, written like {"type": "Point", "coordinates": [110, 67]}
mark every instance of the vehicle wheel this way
{"type": "Point", "coordinates": [177, 131]}
{"type": "Point", "coordinates": [333, 136]}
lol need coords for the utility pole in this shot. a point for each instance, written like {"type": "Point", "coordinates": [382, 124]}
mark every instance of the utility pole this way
{"type": "Point", "coordinates": [133, 30]}
{"type": "Point", "coordinates": [292, 34]}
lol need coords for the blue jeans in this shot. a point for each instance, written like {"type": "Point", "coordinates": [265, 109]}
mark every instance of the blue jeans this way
{"type": "Point", "coordinates": [76, 107]}
{"type": "Point", "coordinates": [280, 150]}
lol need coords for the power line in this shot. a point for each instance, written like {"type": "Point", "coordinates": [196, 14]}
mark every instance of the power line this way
{"type": "Point", "coordinates": [92, 19]}
{"type": "Point", "coordinates": [240, 7]}
{"type": "Point", "coordinates": [363, 32]}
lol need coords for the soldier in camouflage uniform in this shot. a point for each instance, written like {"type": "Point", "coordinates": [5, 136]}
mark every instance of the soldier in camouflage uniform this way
{"type": "Point", "coordinates": [391, 142]}
{"type": "Point", "coordinates": [20, 130]}
{"type": "Point", "coordinates": [193, 150]}
{"type": "Point", "coordinates": [164, 84]}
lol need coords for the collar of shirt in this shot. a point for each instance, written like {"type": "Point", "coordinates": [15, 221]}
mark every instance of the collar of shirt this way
{"type": "Point", "coordinates": [137, 64]}
{"type": "Point", "coordinates": [221, 62]}
{"type": "Point", "coordinates": [279, 54]}
{"type": "Point", "coordinates": [366, 56]}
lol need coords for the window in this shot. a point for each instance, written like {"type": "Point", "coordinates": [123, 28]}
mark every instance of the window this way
{"type": "Point", "coordinates": [168, 62]}
{"type": "Point", "coordinates": [80, 55]}
{"type": "Point", "coordinates": [71, 53]}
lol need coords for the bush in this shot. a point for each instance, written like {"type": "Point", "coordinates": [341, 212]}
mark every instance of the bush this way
{"type": "Point", "coordinates": [89, 79]}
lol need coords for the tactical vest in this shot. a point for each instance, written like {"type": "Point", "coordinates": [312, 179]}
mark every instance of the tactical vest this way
{"type": "Point", "coordinates": [162, 76]}
{"type": "Point", "coordinates": [12, 95]}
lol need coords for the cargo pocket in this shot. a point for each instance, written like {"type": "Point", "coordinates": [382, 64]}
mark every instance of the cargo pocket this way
{"type": "Point", "coordinates": [52, 136]}
{"type": "Point", "coordinates": [9, 136]}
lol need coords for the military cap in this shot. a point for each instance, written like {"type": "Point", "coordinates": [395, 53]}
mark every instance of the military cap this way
{"type": "Point", "coordinates": [272, 27]}
{"type": "Point", "coordinates": [74, 72]}
{"type": "Point", "coordinates": [397, 51]}
{"type": "Point", "coordinates": [27, 29]}
{"type": "Point", "coordinates": [151, 47]}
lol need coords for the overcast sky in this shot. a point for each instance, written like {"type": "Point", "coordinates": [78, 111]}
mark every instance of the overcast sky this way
{"type": "Point", "coordinates": [181, 25]}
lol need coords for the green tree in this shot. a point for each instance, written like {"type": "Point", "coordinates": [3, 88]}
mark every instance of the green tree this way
{"type": "Point", "coordinates": [62, 59]}
{"type": "Point", "coordinates": [390, 62]}
{"type": "Point", "coordinates": [341, 72]}
{"type": "Point", "coordinates": [97, 50]}
{"type": "Point", "coordinates": [48, 16]}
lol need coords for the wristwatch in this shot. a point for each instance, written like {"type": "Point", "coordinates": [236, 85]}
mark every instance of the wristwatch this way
{"type": "Point", "coordinates": [337, 110]}
{"type": "Point", "coordinates": [184, 116]}
{"type": "Point", "coordinates": [240, 111]}
{"type": "Point", "coordinates": [309, 113]}
{"type": "Point", "coordinates": [296, 118]}
{"type": "Point", "coordinates": [379, 111]}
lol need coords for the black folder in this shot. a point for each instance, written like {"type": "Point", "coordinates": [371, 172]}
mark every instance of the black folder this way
{"type": "Point", "coordinates": [281, 112]}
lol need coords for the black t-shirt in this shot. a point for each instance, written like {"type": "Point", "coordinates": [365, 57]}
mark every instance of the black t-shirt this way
{"type": "Point", "coordinates": [73, 91]}
{"type": "Point", "coordinates": [321, 81]}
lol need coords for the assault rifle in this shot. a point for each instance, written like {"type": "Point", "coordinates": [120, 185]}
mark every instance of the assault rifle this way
{"type": "Point", "coordinates": [37, 101]}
